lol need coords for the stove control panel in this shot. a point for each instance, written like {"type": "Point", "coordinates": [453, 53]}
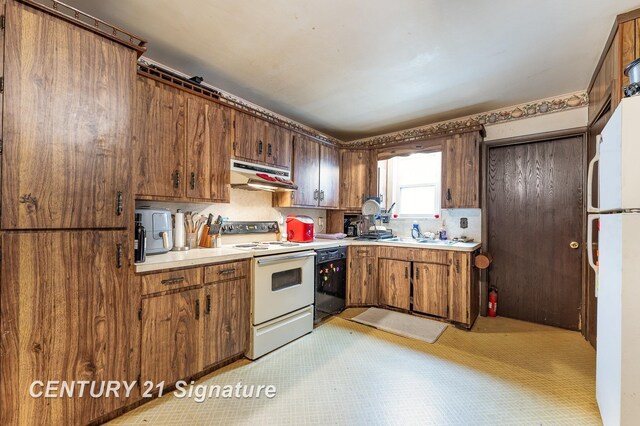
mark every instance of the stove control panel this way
{"type": "Point", "coordinates": [250, 228]}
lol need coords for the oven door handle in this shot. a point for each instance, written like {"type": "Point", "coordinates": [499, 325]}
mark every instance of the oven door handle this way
{"type": "Point", "coordinates": [269, 260]}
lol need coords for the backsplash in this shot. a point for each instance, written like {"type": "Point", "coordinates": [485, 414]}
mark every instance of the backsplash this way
{"type": "Point", "coordinates": [244, 206]}
{"type": "Point", "coordinates": [402, 227]}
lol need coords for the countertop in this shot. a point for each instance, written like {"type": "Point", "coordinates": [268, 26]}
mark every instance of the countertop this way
{"type": "Point", "coordinates": [203, 256]}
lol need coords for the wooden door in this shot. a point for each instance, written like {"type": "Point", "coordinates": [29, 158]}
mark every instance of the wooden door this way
{"type": "Point", "coordinates": [159, 139]}
{"type": "Point", "coordinates": [248, 137]}
{"type": "Point", "coordinates": [171, 336]}
{"type": "Point", "coordinates": [362, 288]}
{"type": "Point", "coordinates": [461, 172]}
{"type": "Point", "coordinates": [329, 177]}
{"type": "Point", "coordinates": [394, 283]}
{"type": "Point", "coordinates": [226, 321]}
{"type": "Point", "coordinates": [306, 171]}
{"type": "Point", "coordinates": [354, 179]}
{"type": "Point", "coordinates": [198, 147]}
{"type": "Point", "coordinates": [535, 213]}
{"type": "Point", "coordinates": [279, 146]}
{"type": "Point", "coordinates": [68, 312]}
{"type": "Point", "coordinates": [220, 160]}
{"type": "Point", "coordinates": [431, 289]}
{"type": "Point", "coordinates": [67, 125]}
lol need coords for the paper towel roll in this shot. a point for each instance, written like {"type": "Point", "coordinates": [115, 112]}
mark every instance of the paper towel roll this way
{"type": "Point", "coordinates": [179, 232]}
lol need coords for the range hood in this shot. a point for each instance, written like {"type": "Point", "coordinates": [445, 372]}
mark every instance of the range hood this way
{"type": "Point", "coordinates": [258, 177]}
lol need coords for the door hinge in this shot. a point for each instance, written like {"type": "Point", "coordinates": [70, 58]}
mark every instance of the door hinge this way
{"type": "Point", "coordinates": [2, 84]}
{"type": "Point", "coordinates": [2, 19]}
{"type": "Point", "coordinates": [1, 146]}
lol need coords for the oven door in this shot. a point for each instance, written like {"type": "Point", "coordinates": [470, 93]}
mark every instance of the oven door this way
{"type": "Point", "coordinates": [281, 284]}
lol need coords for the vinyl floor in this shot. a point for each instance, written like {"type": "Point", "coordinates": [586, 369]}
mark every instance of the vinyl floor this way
{"type": "Point", "coordinates": [502, 372]}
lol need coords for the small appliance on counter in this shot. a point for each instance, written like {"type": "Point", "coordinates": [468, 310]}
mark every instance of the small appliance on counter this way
{"type": "Point", "coordinates": [351, 225]}
{"type": "Point", "coordinates": [159, 230]}
{"type": "Point", "coordinates": [299, 229]}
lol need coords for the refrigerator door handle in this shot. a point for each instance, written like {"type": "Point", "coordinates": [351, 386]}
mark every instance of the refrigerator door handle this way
{"type": "Point", "coordinates": [590, 207]}
{"type": "Point", "coordinates": [591, 218]}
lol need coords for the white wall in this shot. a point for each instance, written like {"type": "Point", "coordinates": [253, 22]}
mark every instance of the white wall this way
{"type": "Point", "coordinates": [543, 123]}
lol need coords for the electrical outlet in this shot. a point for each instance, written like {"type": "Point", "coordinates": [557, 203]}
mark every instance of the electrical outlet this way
{"type": "Point", "coordinates": [464, 223]}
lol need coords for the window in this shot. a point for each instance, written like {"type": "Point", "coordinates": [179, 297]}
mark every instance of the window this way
{"type": "Point", "coordinates": [413, 183]}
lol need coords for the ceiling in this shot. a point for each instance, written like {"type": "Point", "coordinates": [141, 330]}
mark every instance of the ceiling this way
{"type": "Point", "coordinates": [354, 68]}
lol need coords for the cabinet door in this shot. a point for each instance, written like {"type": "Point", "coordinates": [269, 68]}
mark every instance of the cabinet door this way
{"type": "Point", "coordinates": [171, 336]}
{"type": "Point", "coordinates": [67, 125]}
{"type": "Point", "coordinates": [68, 312]}
{"type": "Point", "coordinates": [226, 320]}
{"type": "Point", "coordinates": [279, 146]}
{"type": "Point", "coordinates": [463, 290]}
{"type": "Point", "coordinates": [159, 139]}
{"type": "Point", "coordinates": [394, 283]}
{"type": "Point", "coordinates": [248, 139]}
{"type": "Point", "coordinates": [329, 177]}
{"type": "Point", "coordinates": [362, 288]}
{"type": "Point", "coordinates": [198, 147]}
{"type": "Point", "coordinates": [461, 172]}
{"type": "Point", "coordinates": [306, 171]}
{"type": "Point", "coordinates": [430, 289]}
{"type": "Point", "coordinates": [354, 175]}
{"type": "Point", "coordinates": [220, 184]}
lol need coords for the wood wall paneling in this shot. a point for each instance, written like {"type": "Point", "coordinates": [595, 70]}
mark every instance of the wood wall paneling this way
{"type": "Point", "coordinates": [67, 312]}
{"type": "Point", "coordinates": [67, 125]}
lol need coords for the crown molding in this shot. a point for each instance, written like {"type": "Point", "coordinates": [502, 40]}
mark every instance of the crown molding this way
{"type": "Point", "coordinates": [473, 122]}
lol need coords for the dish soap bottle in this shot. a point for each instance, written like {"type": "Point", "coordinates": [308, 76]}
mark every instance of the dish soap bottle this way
{"type": "Point", "coordinates": [443, 231]}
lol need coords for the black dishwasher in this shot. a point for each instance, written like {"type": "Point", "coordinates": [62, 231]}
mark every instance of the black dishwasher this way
{"type": "Point", "coordinates": [331, 285]}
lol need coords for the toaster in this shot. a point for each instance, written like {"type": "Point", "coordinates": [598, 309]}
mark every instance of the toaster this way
{"type": "Point", "coordinates": [157, 223]}
{"type": "Point", "coordinates": [299, 228]}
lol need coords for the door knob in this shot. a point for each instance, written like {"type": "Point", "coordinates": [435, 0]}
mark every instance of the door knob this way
{"type": "Point", "coordinates": [574, 245]}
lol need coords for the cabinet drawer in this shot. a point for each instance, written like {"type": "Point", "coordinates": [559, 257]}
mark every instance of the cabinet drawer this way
{"type": "Point", "coordinates": [362, 251]}
{"type": "Point", "coordinates": [225, 271]}
{"type": "Point", "coordinates": [155, 283]}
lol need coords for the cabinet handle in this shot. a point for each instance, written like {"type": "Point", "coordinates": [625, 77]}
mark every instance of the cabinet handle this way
{"type": "Point", "coordinates": [197, 309]}
{"type": "Point", "coordinates": [363, 251]}
{"type": "Point", "coordinates": [315, 194]}
{"type": "Point", "coordinates": [119, 255]}
{"type": "Point", "coordinates": [119, 203]}
{"type": "Point", "coordinates": [417, 273]}
{"type": "Point", "coordinates": [171, 281]}
{"type": "Point", "coordinates": [322, 195]}
{"type": "Point", "coordinates": [193, 181]}
{"type": "Point", "coordinates": [176, 179]}
{"type": "Point", "coordinates": [268, 150]}
{"type": "Point", "coordinates": [208, 308]}
{"type": "Point", "coordinates": [406, 272]}
{"type": "Point", "coordinates": [259, 147]}
{"type": "Point", "coordinates": [457, 266]}
{"type": "Point", "coordinates": [227, 271]}
{"type": "Point", "coordinates": [369, 269]}
{"type": "Point", "coordinates": [448, 194]}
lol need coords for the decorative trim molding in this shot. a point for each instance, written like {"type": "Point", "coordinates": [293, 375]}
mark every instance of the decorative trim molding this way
{"type": "Point", "coordinates": [252, 108]}
{"type": "Point", "coordinates": [473, 122]}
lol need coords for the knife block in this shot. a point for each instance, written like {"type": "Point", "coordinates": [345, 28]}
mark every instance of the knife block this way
{"type": "Point", "coordinates": [205, 240]}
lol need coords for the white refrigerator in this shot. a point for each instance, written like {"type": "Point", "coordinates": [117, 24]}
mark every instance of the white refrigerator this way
{"type": "Point", "coordinates": [618, 264]}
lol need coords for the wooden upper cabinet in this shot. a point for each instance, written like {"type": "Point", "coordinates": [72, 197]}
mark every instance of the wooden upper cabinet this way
{"type": "Point", "coordinates": [394, 283]}
{"type": "Point", "coordinates": [159, 139]}
{"type": "Point", "coordinates": [220, 169]}
{"type": "Point", "coordinates": [354, 179]}
{"type": "Point", "coordinates": [329, 177]}
{"type": "Point", "coordinates": [431, 289]}
{"type": "Point", "coordinates": [67, 125]}
{"type": "Point", "coordinates": [69, 311]}
{"type": "Point", "coordinates": [198, 148]}
{"type": "Point", "coordinates": [171, 336]}
{"type": "Point", "coordinates": [461, 172]}
{"type": "Point", "coordinates": [248, 137]}
{"type": "Point", "coordinates": [278, 145]}
{"type": "Point", "coordinates": [225, 320]}
{"type": "Point", "coordinates": [306, 171]}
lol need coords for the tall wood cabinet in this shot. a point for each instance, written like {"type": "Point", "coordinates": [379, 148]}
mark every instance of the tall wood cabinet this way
{"type": "Point", "coordinates": [461, 171]}
{"type": "Point", "coordinates": [66, 125]}
{"type": "Point", "coordinates": [181, 144]}
{"type": "Point", "coordinates": [316, 171]}
{"type": "Point", "coordinates": [354, 178]}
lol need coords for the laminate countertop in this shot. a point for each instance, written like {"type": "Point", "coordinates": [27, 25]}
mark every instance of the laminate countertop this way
{"type": "Point", "coordinates": [204, 256]}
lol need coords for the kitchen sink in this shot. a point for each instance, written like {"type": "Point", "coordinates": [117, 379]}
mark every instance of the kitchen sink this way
{"type": "Point", "coordinates": [421, 241]}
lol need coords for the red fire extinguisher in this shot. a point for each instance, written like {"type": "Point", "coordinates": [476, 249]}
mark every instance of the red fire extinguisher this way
{"type": "Point", "coordinates": [493, 302]}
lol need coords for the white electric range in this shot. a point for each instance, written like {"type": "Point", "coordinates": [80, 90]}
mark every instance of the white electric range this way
{"type": "Point", "coordinates": [282, 285]}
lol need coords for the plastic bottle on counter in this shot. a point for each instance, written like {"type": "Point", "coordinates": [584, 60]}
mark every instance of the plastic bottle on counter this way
{"type": "Point", "coordinates": [443, 231]}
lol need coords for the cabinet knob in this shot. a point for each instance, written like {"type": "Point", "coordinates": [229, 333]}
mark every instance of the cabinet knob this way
{"type": "Point", "coordinates": [193, 181]}
{"type": "Point", "coordinates": [119, 203]}
{"type": "Point", "coordinates": [176, 179]}
{"type": "Point", "coordinates": [574, 245]}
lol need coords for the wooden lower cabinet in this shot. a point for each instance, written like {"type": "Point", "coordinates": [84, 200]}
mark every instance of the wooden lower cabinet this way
{"type": "Point", "coordinates": [171, 336]}
{"type": "Point", "coordinates": [431, 289]}
{"type": "Point", "coordinates": [225, 320]}
{"type": "Point", "coordinates": [362, 283]}
{"type": "Point", "coordinates": [68, 312]}
{"type": "Point", "coordinates": [464, 291]}
{"type": "Point", "coordinates": [394, 283]}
